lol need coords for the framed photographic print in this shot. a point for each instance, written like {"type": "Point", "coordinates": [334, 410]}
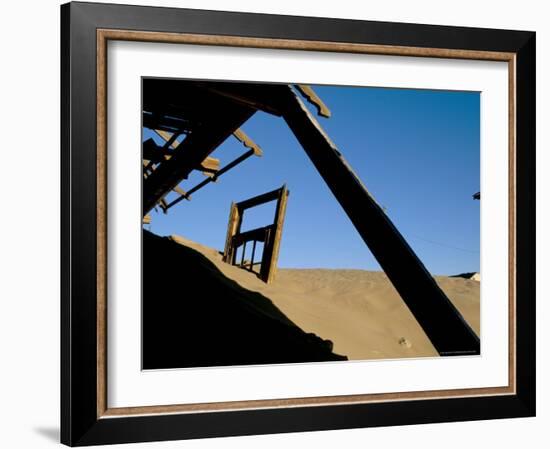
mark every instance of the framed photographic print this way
{"type": "Point", "coordinates": [278, 224]}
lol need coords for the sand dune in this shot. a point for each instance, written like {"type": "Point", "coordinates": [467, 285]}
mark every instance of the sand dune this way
{"type": "Point", "coordinates": [358, 310]}
{"type": "Point", "coordinates": [194, 315]}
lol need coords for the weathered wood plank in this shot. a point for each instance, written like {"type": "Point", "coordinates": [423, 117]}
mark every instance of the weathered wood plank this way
{"type": "Point", "coordinates": [242, 137]}
{"type": "Point", "coordinates": [214, 178]}
{"type": "Point", "coordinates": [277, 234]}
{"type": "Point", "coordinates": [259, 199]}
{"type": "Point", "coordinates": [210, 164]}
{"type": "Point", "coordinates": [313, 98]}
{"type": "Point", "coordinates": [233, 227]}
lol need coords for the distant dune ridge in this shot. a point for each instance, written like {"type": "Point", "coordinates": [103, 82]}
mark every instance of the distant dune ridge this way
{"type": "Point", "coordinates": [358, 311]}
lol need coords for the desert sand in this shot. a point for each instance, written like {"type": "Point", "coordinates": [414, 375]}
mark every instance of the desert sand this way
{"type": "Point", "coordinates": [358, 310]}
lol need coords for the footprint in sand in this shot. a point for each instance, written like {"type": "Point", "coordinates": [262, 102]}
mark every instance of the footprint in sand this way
{"type": "Point", "coordinates": [405, 343]}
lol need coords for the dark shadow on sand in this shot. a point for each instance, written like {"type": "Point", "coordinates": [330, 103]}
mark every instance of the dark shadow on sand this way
{"type": "Point", "coordinates": [194, 316]}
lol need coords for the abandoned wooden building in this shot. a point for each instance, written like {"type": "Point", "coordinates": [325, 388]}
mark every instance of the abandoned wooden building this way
{"type": "Point", "coordinates": [201, 115]}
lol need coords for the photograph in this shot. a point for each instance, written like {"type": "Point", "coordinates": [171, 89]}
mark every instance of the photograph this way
{"type": "Point", "coordinates": [294, 223]}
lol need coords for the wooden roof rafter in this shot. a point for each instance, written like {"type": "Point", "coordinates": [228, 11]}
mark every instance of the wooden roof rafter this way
{"type": "Point", "coordinates": [191, 152]}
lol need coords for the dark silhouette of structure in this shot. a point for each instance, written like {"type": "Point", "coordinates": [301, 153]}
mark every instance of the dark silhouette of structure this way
{"type": "Point", "coordinates": [206, 113]}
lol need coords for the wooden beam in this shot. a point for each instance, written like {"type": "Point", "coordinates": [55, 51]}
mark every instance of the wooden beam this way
{"type": "Point", "coordinates": [210, 164]}
{"type": "Point", "coordinates": [168, 124]}
{"type": "Point", "coordinates": [313, 98]}
{"type": "Point", "coordinates": [233, 227]}
{"type": "Point", "coordinates": [272, 252]}
{"type": "Point", "coordinates": [242, 137]}
{"type": "Point", "coordinates": [246, 94]}
{"type": "Point", "coordinates": [436, 314]}
{"type": "Point", "coordinates": [167, 136]}
{"type": "Point", "coordinates": [257, 234]}
{"type": "Point", "coordinates": [214, 178]}
{"type": "Point", "coordinates": [259, 199]}
{"type": "Point", "coordinates": [179, 190]}
{"type": "Point", "coordinates": [155, 153]}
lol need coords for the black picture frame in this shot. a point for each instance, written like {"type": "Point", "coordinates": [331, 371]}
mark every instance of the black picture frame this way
{"type": "Point", "coordinates": [81, 423]}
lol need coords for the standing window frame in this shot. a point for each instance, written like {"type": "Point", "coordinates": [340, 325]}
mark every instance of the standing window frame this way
{"type": "Point", "coordinates": [86, 28]}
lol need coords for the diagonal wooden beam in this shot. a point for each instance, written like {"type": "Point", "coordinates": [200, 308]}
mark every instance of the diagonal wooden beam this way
{"type": "Point", "coordinates": [313, 98]}
{"type": "Point", "coordinates": [242, 137]}
{"type": "Point", "coordinates": [166, 136]}
{"type": "Point", "coordinates": [436, 314]}
{"type": "Point", "coordinates": [155, 153]}
{"type": "Point", "coordinates": [213, 178]}
{"type": "Point", "coordinates": [259, 199]}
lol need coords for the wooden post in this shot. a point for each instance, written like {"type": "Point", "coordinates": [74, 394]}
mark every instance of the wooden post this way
{"type": "Point", "coordinates": [233, 228]}
{"type": "Point", "coordinates": [266, 257]}
{"type": "Point", "coordinates": [275, 241]}
{"type": "Point", "coordinates": [252, 257]}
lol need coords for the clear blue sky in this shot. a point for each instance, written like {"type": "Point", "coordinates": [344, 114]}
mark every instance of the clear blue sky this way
{"type": "Point", "coordinates": [417, 151]}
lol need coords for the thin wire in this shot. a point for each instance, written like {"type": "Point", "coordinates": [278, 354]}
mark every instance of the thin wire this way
{"type": "Point", "coordinates": [417, 237]}
{"type": "Point", "coordinates": [443, 244]}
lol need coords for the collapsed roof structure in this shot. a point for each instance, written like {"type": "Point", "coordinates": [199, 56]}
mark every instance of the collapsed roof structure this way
{"type": "Point", "coordinates": [206, 113]}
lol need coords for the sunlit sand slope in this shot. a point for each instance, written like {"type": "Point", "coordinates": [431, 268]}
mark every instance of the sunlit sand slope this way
{"type": "Point", "coordinates": [359, 311]}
